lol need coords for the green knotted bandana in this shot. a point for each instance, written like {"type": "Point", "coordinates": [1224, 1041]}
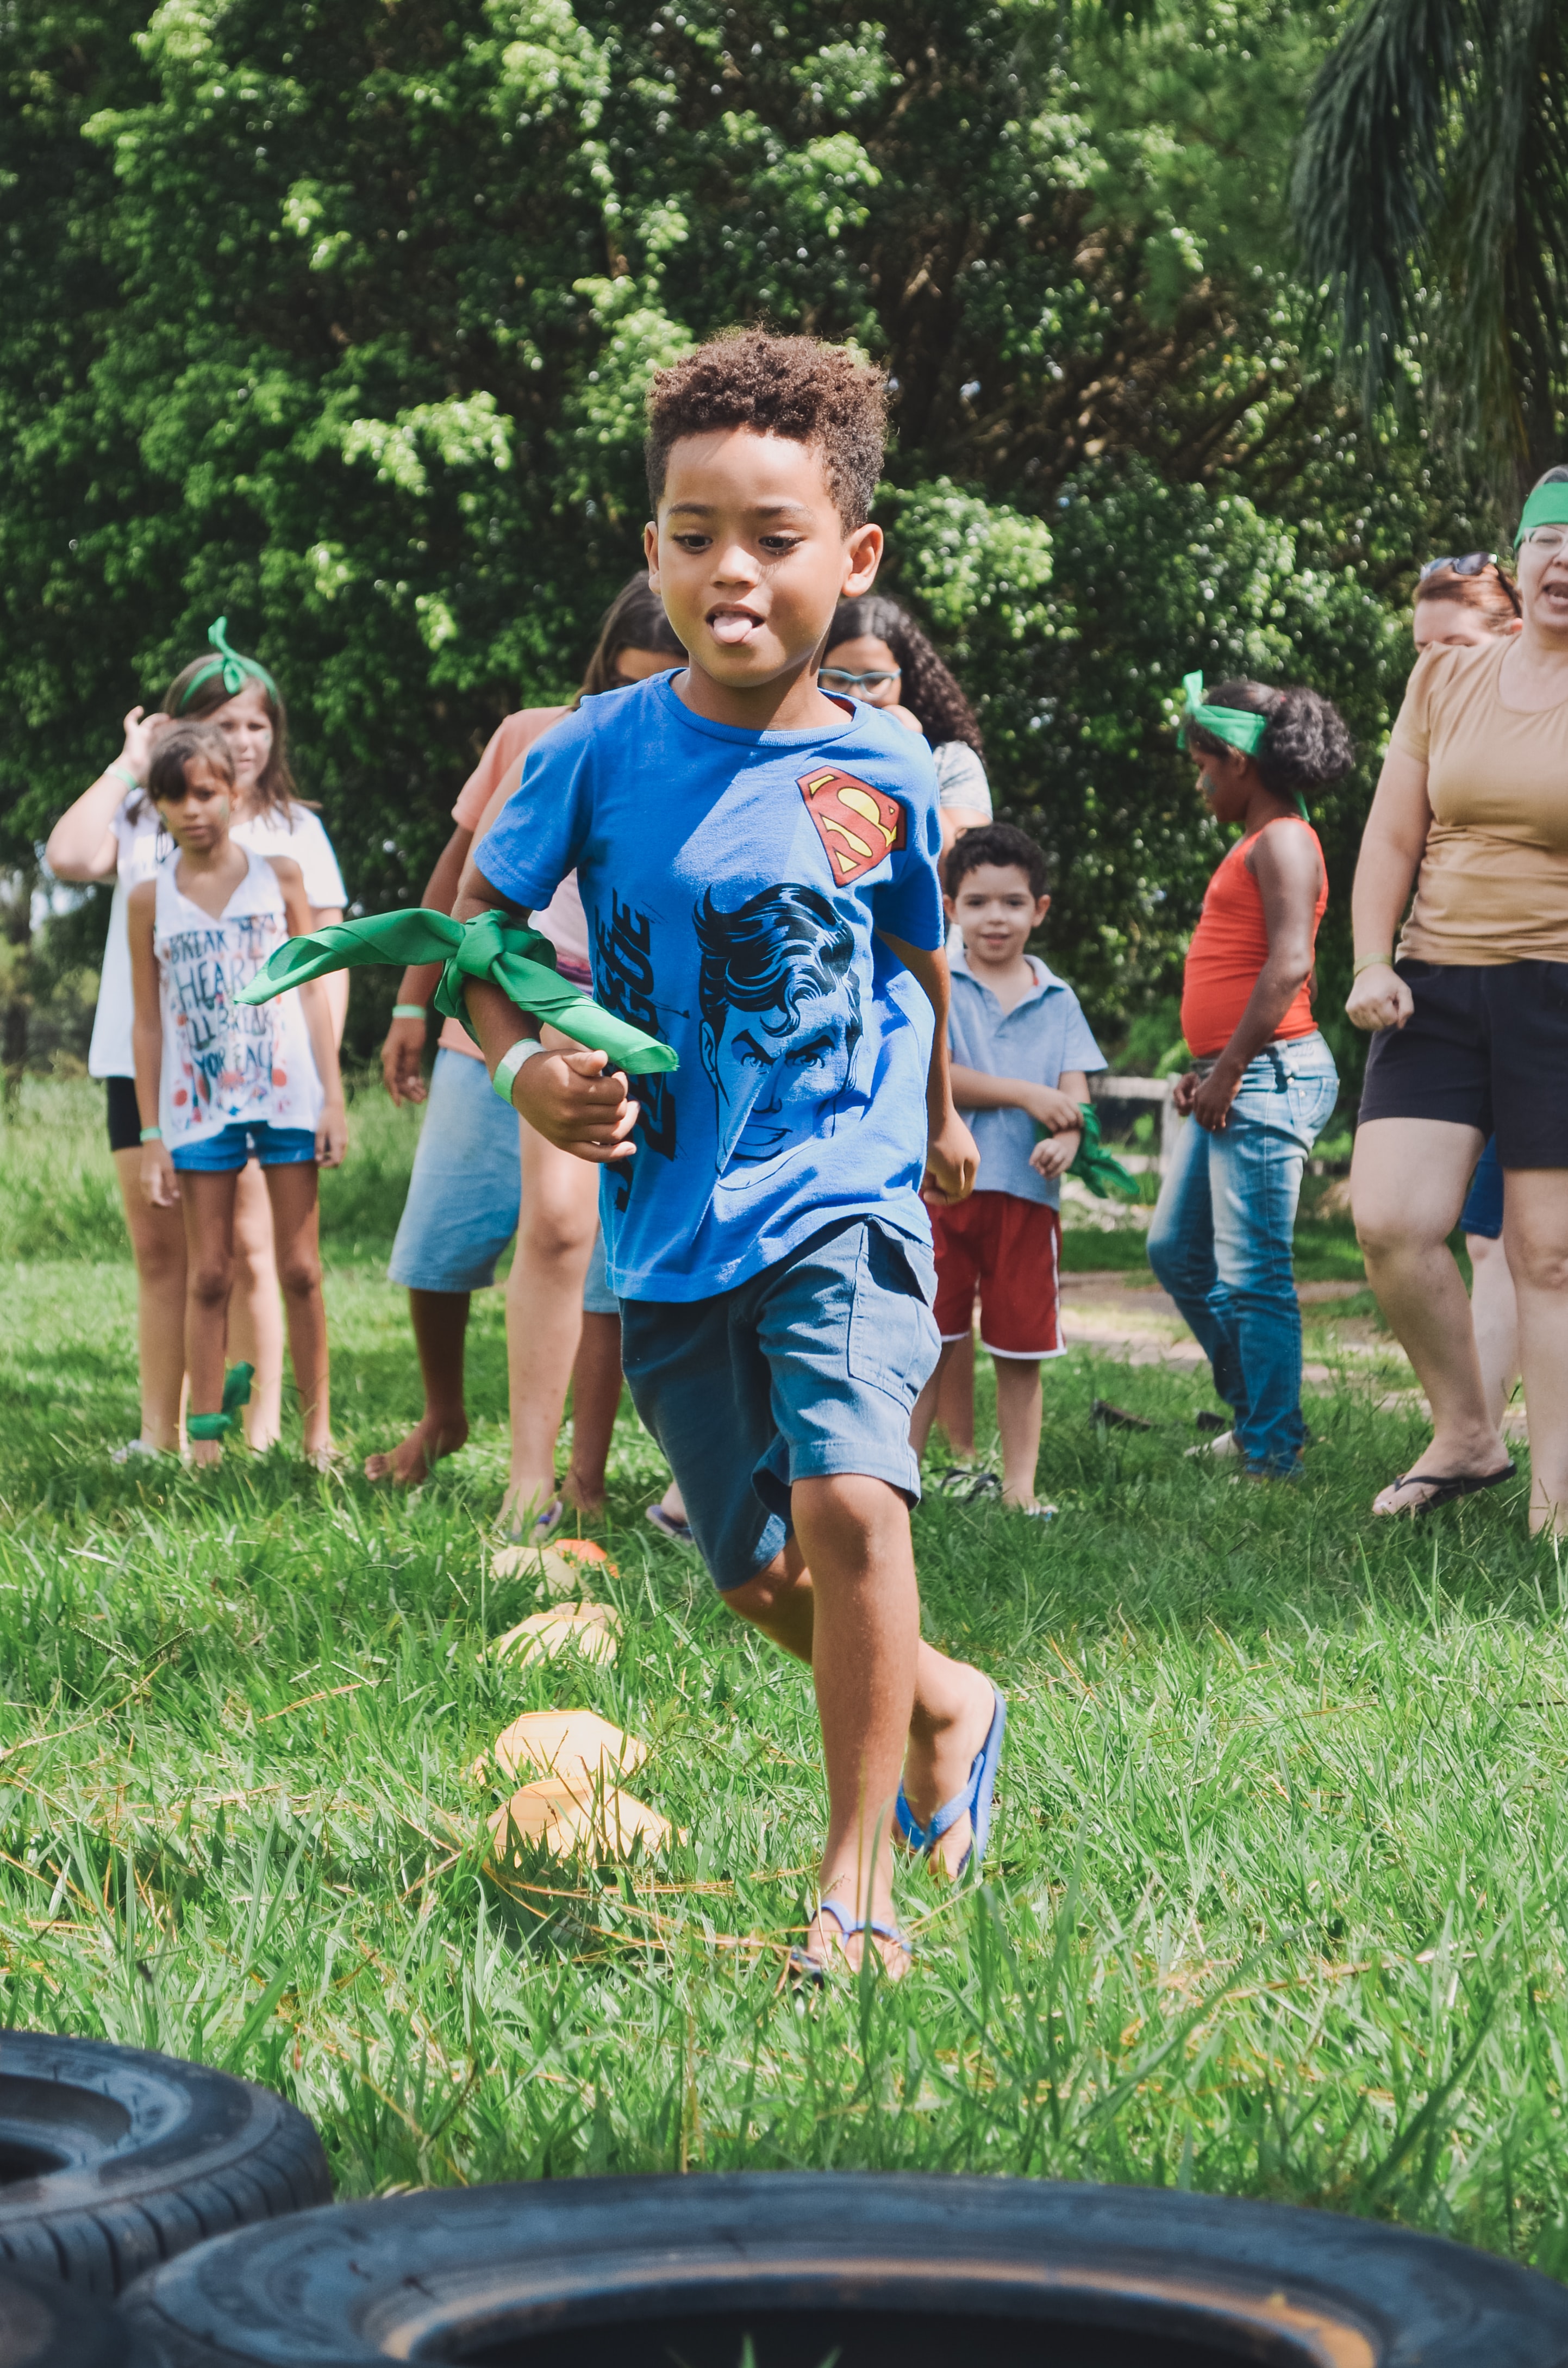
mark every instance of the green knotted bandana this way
{"type": "Point", "coordinates": [1547, 506]}
{"type": "Point", "coordinates": [235, 670]}
{"type": "Point", "coordinates": [519, 961]}
{"type": "Point", "coordinates": [236, 1393]}
{"type": "Point", "coordinates": [1095, 1166]}
{"type": "Point", "coordinates": [1236, 726]}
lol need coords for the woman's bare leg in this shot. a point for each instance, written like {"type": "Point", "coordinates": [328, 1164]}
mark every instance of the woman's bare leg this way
{"type": "Point", "coordinates": [1408, 1180]}
{"type": "Point", "coordinates": [544, 1312]}
{"type": "Point", "coordinates": [1535, 1227]}
{"type": "Point", "coordinates": [158, 1244]}
{"type": "Point", "coordinates": [207, 1204]}
{"type": "Point", "coordinates": [256, 1313]}
{"type": "Point", "coordinates": [293, 1191]}
{"type": "Point", "coordinates": [1495, 1313]}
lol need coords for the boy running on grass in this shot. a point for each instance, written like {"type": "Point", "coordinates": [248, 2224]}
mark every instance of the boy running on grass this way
{"type": "Point", "coordinates": [758, 865]}
{"type": "Point", "coordinates": [1021, 1051]}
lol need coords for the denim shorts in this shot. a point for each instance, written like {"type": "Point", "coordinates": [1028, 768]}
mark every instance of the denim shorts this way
{"type": "Point", "coordinates": [598, 1299]}
{"type": "Point", "coordinates": [225, 1153]}
{"type": "Point", "coordinates": [1483, 1211]}
{"type": "Point", "coordinates": [810, 1368]}
{"type": "Point", "coordinates": [461, 1209]}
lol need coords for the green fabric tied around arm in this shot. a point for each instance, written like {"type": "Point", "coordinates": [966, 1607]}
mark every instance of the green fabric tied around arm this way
{"type": "Point", "coordinates": [1095, 1166]}
{"type": "Point", "coordinates": [236, 1393]}
{"type": "Point", "coordinates": [518, 960]}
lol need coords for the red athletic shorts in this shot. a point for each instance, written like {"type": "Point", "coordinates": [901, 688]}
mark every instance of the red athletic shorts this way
{"type": "Point", "coordinates": [1006, 1248]}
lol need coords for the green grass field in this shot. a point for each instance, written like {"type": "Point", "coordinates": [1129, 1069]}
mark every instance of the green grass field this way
{"type": "Point", "coordinates": [1278, 1904]}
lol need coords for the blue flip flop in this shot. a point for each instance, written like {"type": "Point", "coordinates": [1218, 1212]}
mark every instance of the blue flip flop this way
{"type": "Point", "coordinates": [814, 1969]}
{"type": "Point", "coordinates": [976, 1798]}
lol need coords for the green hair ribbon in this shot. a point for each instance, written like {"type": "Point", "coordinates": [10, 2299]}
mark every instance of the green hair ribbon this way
{"type": "Point", "coordinates": [518, 960]}
{"type": "Point", "coordinates": [1093, 1165]}
{"type": "Point", "coordinates": [235, 670]}
{"type": "Point", "coordinates": [236, 1393]}
{"type": "Point", "coordinates": [1547, 506]}
{"type": "Point", "coordinates": [1237, 726]}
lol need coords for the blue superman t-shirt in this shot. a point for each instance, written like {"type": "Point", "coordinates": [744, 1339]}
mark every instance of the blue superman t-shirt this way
{"type": "Point", "coordinates": [732, 882]}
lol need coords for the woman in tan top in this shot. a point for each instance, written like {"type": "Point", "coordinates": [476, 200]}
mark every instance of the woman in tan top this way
{"type": "Point", "coordinates": [1470, 1018]}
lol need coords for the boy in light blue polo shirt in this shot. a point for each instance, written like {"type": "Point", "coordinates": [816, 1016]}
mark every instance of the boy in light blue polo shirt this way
{"type": "Point", "coordinates": [1021, 1051]}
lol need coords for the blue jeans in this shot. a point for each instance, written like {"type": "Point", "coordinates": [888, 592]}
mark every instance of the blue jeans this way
{"type": "Point", "coordinates": [1221, 1236]}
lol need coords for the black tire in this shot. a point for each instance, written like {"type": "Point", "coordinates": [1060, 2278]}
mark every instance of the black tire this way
{"type": "Point", "coordinates": [112, 2159]}
{"type": "Point", "coordinates": [46, 2325]}
{"type": "Point", "coordinates": [888, 2272]}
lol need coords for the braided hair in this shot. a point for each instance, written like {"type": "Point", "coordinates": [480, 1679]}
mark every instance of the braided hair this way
{"type": "Point", "coordinates": [929, 691]}
{"type": "Point", "coordinates": [1306, 746]}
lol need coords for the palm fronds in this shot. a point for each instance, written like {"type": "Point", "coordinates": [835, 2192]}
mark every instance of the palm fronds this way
{"type": "Point", "coordinates": [1431, 199]}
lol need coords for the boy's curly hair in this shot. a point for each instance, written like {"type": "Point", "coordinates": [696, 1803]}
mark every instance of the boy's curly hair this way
{"type": "Point", "coordinates": [799, 387]}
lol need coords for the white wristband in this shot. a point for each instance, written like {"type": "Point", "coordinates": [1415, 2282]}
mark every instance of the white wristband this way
{"type": "Point", "coordinates": [511, 1061]}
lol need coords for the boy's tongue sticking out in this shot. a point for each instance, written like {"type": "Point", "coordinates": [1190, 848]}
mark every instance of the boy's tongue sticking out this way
{"type": "Point", "coordinates": [731, 625]}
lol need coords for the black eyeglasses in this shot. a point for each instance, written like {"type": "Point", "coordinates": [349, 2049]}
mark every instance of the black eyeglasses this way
{"type": "Point", "coordinates": [1475, 562]}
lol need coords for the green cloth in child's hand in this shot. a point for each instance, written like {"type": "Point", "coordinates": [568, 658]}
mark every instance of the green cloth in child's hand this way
{"type": "Point", "coordinates": [1095, 1167]}
{"type": "Point", "coordinates": [518, 960]}
{"type": "Point", "coordinates": [236, 1393]}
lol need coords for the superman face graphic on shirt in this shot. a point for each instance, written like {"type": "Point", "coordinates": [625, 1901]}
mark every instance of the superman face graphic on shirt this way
{"type": "Point", "coordinates": [782, 1020]}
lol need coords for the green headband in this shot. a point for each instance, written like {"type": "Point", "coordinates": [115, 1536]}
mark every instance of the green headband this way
{"type": "Point", "coordinates": [1547, 506]}
{"type": "Point", "coordinates": [235, 670]}
{"type": "Point", "coordinates": [1237, 726]}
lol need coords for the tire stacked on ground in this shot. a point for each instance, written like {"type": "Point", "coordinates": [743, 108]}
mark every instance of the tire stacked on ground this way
{"type": "Point", "coordinates": [113, 2159]}
{"type": "Point", "coordinates": [46, 2325]}
{"type": "Point", "coordinates": [901, 2272]}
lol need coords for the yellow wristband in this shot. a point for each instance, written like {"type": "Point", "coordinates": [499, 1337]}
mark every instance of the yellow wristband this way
{"type": "Point", "coordinates": [1373, 961]}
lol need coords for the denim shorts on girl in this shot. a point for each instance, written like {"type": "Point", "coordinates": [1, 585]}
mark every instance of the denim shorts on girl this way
{"type": "Point", "coordinates": [807, 1370]}
{"type": "Point", "coordinates": [225, 1153]}
{"type": "Point", "coordinates": [461, 1209]}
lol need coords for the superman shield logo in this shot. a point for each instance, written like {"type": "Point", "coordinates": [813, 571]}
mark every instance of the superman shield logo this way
{"type": "Point", "coordinates": [857, 824]}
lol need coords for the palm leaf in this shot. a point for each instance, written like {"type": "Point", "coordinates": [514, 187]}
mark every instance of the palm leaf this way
{"type": "Point", "coordinates": [1431, 200]}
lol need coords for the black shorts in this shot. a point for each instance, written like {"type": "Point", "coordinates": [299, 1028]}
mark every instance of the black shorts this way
{"type": "Point", "coordinates": [1485, 1047]}
{"type": "Point", "coordinates": [124, 1118]}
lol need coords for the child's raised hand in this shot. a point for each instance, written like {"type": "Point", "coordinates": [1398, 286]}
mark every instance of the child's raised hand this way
{"type": "Point", "coordinates": [160, 1185]}
{"type": "Point", "coordinates": [142, 735]}
{"type": "Point", "coordinates": [579, 1103]}
{"type": "Point", "coordinates": [332, 1136]}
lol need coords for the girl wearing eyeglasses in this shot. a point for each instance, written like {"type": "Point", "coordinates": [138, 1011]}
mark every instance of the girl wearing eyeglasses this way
{"type": "Point", "coordinates": [1469, 1016]}
{"type": "Point", "coordinates": [877, 653]}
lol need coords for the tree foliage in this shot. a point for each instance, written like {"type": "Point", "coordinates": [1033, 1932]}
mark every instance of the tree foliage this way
{"type": "Point", "coordinates": [336, 315]}
{"type": "Point", "coordinates": [1432, 194]}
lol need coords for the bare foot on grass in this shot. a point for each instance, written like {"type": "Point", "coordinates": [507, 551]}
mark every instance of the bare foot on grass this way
{"type": "Point", "coordinates": [936, 1766]}
{"type": "Point", "coordinates": [411, 1460]}
{"type": "Point", "coordinates": [205, 1451]}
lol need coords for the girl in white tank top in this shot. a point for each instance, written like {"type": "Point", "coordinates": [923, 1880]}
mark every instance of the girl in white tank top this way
{"type": "Point", "coordinates": [217, 1080]}
{"type": "Point", "coordinates": [225, 1062]}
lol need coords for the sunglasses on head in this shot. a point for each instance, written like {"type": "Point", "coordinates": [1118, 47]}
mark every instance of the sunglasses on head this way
{"type": "Point", "coordinates": [1473, 563]}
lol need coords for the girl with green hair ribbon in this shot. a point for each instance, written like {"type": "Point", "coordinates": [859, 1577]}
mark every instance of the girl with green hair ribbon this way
{"type": "Point", "coordinates": [112, 833]}
{"type": "Point", "coordinates": [1264, 1082]}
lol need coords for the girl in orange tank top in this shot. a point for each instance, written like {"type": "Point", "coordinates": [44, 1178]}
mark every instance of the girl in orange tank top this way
{"type": "Point", "coordinates": [1221, 1239]}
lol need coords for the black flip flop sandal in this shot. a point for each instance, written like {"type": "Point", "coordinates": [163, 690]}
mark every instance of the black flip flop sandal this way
{"type": "Point", "coordinates": [1448, 1486]}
